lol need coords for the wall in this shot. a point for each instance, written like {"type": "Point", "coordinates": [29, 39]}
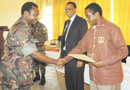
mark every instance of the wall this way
{"type": "Point", "coordinates": [10, 11]}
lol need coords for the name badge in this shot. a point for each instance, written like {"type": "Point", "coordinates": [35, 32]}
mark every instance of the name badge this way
{"type": "Point", "coordinates": [100, 40]}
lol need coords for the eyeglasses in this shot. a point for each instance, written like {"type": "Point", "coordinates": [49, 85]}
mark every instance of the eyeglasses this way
{"type": "Point", "coordinates": [69, 9]}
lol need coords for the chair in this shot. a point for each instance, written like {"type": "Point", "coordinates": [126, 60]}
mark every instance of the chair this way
{"type": "Point", "coordinates": [59, 38]}
{"type": "Point", "coordinates": [124, 60]}
{"type": "Point", "coordinates": [54, 40]}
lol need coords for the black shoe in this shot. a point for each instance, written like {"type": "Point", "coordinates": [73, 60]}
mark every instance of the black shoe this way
{"type": "Point", "coordinates": [37, 77]}
{"type": "Point", "coordinates": [43, 81]}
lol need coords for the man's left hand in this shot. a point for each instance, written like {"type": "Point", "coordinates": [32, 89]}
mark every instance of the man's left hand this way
{"type": "Point", "coordinates": [97, 63]}
{"type": "Point", "coordinates": [59, 63]}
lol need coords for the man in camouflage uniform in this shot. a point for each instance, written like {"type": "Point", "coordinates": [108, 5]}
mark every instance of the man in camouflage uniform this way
{"type": "Point", "coordinates": [19, 49]}
{"type": "Point", "coordinates": [39, 33]}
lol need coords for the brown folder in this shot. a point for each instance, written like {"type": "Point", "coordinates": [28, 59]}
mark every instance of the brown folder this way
{"type": "Point", "coordinates": [82, 57]}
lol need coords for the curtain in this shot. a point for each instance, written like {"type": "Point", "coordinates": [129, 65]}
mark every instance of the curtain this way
{"type": "Point", "coordinates": [105, 5]}
{"type": "Point", "coordinates": [121, 17]}
{"type": "Point", "coordinates": [58, 16]}
{"type": "Point", "coordinates": [81, 7]}
{"type": "Point", "coordinates": [106, 8]}
{"type": "Point", "coordinates": [41, 5]}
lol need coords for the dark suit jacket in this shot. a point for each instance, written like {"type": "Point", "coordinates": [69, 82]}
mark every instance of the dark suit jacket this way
{"type": "Point", "coordinates": [76, 32]}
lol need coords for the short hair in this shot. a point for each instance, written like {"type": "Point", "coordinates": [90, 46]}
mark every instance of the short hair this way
{"type": "Point", "coordinates": [74, 5]}
{"type": "Point", "coordinates": [94, 7]}
{"type": "Point", "coordinates": [27, 7]}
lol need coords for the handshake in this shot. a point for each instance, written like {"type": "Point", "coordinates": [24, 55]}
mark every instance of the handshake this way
{"type": "Point", "coordinates": [60, 62]}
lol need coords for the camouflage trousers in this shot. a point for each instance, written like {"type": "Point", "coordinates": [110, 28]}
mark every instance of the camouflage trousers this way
{"type": "Point", "coordinates": [22, 88]}
{"type": "Point", "coordinates": [14, 79]}
{"type": "Point", "coordinates": [37, 65]}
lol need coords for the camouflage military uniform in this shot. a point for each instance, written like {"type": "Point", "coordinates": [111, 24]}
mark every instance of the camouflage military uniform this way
{"type": "Point", "coordinates": [38, 33]}
{"type": "Point", "coordinates": [16, 62]}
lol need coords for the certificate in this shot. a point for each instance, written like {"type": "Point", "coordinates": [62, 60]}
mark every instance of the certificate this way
{"type": "Point", "coordinates": [82, 57]}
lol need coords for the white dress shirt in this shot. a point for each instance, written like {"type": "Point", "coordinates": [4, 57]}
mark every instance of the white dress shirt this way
{"type": "Point", "coordinates": [72, 19]}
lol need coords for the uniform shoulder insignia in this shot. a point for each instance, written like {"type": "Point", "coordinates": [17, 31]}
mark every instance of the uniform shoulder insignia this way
{"type": "Point", "coordinates": [44, 28]}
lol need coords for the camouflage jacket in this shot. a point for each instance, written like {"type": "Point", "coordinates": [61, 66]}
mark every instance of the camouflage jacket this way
{"type": "Point", "coordinates": [40, 33]}
{"type": "Point", "coordinates": [17, 49]}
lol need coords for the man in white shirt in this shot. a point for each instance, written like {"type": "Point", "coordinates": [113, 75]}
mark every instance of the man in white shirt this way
{"type": "Point", "coordinates": [74, 29]}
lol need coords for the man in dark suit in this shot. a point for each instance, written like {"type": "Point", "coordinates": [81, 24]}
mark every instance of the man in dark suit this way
{"type": "Point", "coordinates": [74, 30]}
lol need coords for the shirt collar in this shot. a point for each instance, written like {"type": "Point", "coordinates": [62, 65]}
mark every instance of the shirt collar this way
{"type": "Point", "coordinates": [72, 18]}
{"type": "Point", "coordinates": [102, 23]}
{"type": "Point", "coordinates": [25, 22]}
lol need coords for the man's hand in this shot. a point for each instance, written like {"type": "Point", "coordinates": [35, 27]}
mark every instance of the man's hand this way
{"type": "Point", "coordinates": [97, 63]}
{"type": "Point", "coordinates": [60, 62]}
{"type": "Point", "coordinates": [79, 64]}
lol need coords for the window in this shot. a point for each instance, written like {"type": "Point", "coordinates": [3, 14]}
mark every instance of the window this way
{"type": "Point", "coordinates": [47, 21]}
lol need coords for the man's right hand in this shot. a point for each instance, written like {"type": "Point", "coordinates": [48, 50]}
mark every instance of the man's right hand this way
{"type": "Point", "coordinates": [61, 62]}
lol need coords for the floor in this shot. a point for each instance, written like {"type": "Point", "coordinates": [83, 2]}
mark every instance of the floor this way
{"type": "Point", "coordinates": [54, 81]}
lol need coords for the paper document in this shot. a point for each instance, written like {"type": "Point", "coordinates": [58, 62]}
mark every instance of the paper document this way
{"type": "Point", "coordinates": [82, 57]}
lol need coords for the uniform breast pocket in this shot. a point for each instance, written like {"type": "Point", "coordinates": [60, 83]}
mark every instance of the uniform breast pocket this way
{"type": "Point", "coordinates": [101, 40]}
{"type": "Point", "coordinates": [101, 44]}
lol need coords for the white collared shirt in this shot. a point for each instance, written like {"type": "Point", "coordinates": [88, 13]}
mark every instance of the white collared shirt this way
{"type": "Point", "coordinates": [72, 19]}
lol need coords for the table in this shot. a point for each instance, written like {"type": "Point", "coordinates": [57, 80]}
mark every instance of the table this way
{"type": "Point", "coordinates": [51, 48]}
{"type": "Point", "coordinates": [125, 85]}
